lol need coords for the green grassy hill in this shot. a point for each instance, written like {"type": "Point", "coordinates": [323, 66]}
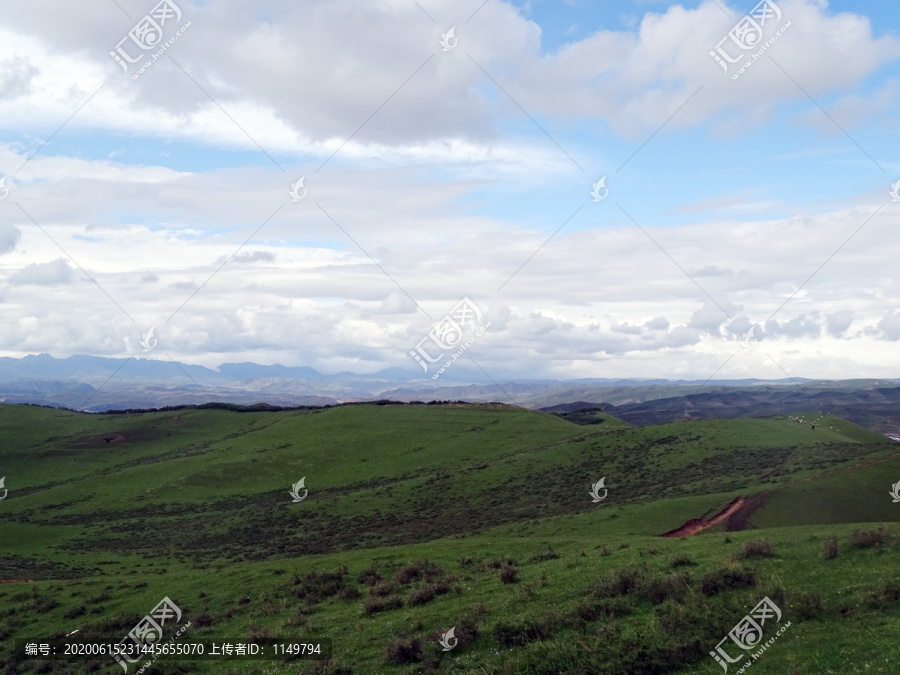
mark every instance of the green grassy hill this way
{"type": "Point", "coordinates": [419, 518]}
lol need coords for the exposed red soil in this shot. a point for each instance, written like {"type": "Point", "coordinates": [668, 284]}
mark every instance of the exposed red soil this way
{"type": "Point", "coordinates": [692, 527]}
{"type": "Point", "coordinates": [738, 512]}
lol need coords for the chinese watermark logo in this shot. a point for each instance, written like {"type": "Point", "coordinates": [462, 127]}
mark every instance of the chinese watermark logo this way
{"type": "Point", "coordinates": [895, 491]}
{"type": "Point", "coordinates": [595, 490]}
{"type": "Point", "coordinates": [148, 631]}
{"type": "Point", "coordinates": [5, 190]}
{"type": "Point", "coordinates": [748, 341]}
{"type": "Point", "coordinates": [748, 632]}
{"type": "Point", "coordinates": [295, 490]}
{"type": "Point", "coordinates": [595, 192]}
{"type": "Point", "coordinates": [6, 492]}
{"type": "Point", "coordinates": [448, 40]}
{"type": "Point", "coordinates": [295, 193]}
{"type": "Point", "coordinates": [448, 333]}
{"type": "Point", "coordinates": [148, 339]}
{"type": "Point", "coordinates": [894, 192]}
{"type": "Point", "coordinates": [446, 640]}
{"type": "Point", "coordinates": [148, 34]}
{"type": "Point", "coordinates": [747, 34]}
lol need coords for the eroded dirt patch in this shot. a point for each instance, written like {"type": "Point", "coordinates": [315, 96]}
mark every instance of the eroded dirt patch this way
{"type": "Point", "coordinates": [695, 525]}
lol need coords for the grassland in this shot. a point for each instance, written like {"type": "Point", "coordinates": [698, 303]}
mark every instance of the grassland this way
{"type": "Point", "coordinates": [420, 518]}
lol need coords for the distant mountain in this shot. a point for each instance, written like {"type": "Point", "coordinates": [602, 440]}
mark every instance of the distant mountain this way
{"type": "Point", "coordinates": [96, 384]}
{"type": "Point", "coordinates": [877, 408]}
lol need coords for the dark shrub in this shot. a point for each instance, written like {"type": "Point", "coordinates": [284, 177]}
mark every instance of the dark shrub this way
{"type": "Point", "coordinates": [508, 574]}
{"type": "Point", "coordinates": [203, 620]}
{"type": "Point", "coordinates": [549, 554]}
{"type": "Point", "coordinates": [318, 586]}
{"type": "Point", "coordinates": [402, 651]}
{"type": "Point", "coordinates": [868, 538]}
{"type": "Point", "coordinates": [421, 596]}
{"type": "Point", "coordinates": [681, 560]}
{"type": "Point", "coordinates": [884, 595]}
{"type": "Point", "coordinates": [726, 579]}
{"type": "Point", "coordinates": [349, 593]}
{"type": "Point", "coordinates": [375, 605]}
{"type": "Point", "coordinates": [806, 606]}
{"type": "Point", "coordinates": [411, 571]}
{"type": "Point", "coordinates": [758, 548]}
{"type": "Point", "coordinates": [519, 633]}
{"type": "Point", "coordinates": [621, 582]}
{"type": "Point", "coordinates": [384, 588]}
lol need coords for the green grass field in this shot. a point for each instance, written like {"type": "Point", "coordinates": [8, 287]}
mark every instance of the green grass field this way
{"type": "Point", "coordinates": [420, 518]}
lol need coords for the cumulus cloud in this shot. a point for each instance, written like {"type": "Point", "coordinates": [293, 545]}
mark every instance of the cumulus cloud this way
{"type": "Point", "coordinates": [9, 237]}
{"type": "Point", "coordinates": [51, 273]}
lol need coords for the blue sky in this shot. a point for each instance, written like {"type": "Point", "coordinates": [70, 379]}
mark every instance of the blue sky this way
{"type": "Point", "coordinates": [740, 189]}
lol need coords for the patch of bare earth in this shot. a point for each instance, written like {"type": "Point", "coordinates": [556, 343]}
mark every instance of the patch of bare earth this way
{"type": "Point", "coordinates": [692, 527]}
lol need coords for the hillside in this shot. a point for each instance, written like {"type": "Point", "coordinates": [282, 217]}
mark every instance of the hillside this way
{"type": "Point", "coordinates": [109, 513]}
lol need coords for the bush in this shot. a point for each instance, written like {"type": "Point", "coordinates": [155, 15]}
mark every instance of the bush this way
{"type": "Point", "coordinates": [549, 554]}
{"type": "Point", "coordinates": [466, 632]}
{"type": "Point", "coordinates": [621, 582]}
{"type": "Point", "coordinates": [726, 579]}
{"type": "Point", "coordinates": [349, 593]}
{"type": "Point", "coordinates": [884, 595]}
{"type": "Point", "coordinates": [830, 548]}
{"type": "Point", "coordinates": [868, 538]}
{"type": "Point", "coordinates": [384, 588]}
{"type": "Point", "coordinates": [520, 633]}
{"type": "Point", "coordinates": [681, 560]}
{"type": "Point", "coordinates": [759, 548]}
{"type": "Point", "coordinates": [806, 606]}
{"type": "Point", "coordinates": [421, 596]}
{"type": "Point", "coordinates": [401, 651]}
{"type": "Point", "coordinates": [203, 620]}
{"type": "Point", "coordinates": [375, 605]}
{"type": "Point", "coordinates": [508, 574]}
{"type": "Point", "coordinates": [318, 586]}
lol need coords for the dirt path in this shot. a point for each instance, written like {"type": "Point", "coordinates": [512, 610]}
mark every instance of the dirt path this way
{"type": "Point", "coordinates": [692, 527]}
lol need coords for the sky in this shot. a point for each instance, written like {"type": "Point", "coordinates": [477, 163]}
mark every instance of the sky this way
{"type": "Point", "coordinates": [586, 189]}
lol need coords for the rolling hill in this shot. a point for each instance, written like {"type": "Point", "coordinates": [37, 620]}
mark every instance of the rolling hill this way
{"type": "Point", "coordinates": [420, 518]}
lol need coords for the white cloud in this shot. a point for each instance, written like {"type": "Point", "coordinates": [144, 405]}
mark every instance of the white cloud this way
{"type": "Point", "coordinates": [44, 274]}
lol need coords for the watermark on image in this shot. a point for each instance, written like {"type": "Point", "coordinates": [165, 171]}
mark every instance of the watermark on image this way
{"type": "Point", "coordinates": [894, 192]}
{"type": "Point", "coordinates": [148, 34]}
{"type": "Point", "coordinates": [148, 339]}
{"type": "Point", "coordinates": [6, 492]}
{"type": "Point", "coordinates": [595, 490]}
{"type": "Point", "coordinates": [449, 40]}
{"type": "Point", "coordinates": [295, 490]}
{"type": "Point", "coordinates": [747, 634]}
{"type": "Point", "coordinates": [748, 339]}
{"type": "Point", "coordinates": [597, 187]}
{"type": "Point", "coordinates": [748, 35]}
{"type": "Point", "coordinates": [298, 190]}
{"type": "Point", "coordinates": [448, 334]}
{"type": "Point", "coordinates": [449, 640]}
{"type": "Point", "coordinates": [4, 191]}
{"type": "Point", "coordinates": [149, 631]}
{"type": "Point", "coordinates": [895, 491]}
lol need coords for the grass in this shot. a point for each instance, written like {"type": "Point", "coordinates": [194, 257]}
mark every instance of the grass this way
{"type": "Point", "coordinates": [423, 518]}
